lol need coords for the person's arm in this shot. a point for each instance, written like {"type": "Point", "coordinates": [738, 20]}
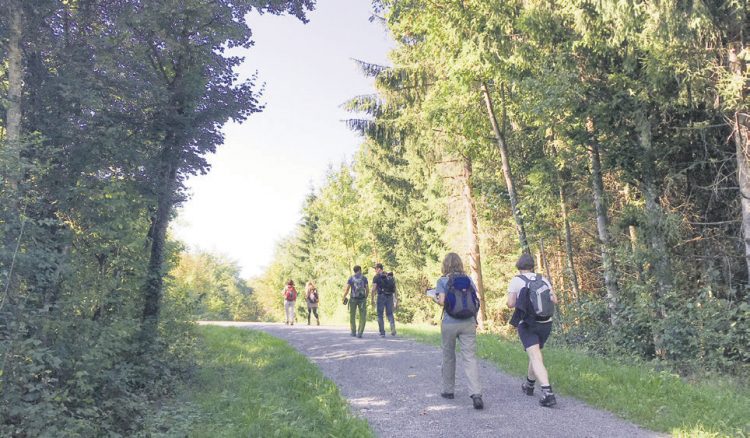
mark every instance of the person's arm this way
{"type": "Point", "coordinates": [512, 294]}
{"type": "Point", "coordinates": [346, 290]}
{"type": "Point", "coordinates": [440, 295]}
{"type": "Point", "coordinates": [374, 290]}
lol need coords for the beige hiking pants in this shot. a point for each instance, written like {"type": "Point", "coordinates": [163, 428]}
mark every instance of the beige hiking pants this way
{"type": "Point", "coordinates": [466, 333]}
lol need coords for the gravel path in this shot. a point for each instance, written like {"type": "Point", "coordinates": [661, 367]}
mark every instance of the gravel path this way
{"type": "Point", "coordinates": [394, 383]}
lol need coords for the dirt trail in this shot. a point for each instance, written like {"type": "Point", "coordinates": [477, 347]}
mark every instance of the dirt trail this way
{"type": "Point", "coordinates": [394, 383]}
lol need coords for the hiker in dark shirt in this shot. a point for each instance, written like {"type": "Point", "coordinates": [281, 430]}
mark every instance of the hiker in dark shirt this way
{"type": "Point", "coordinates": [532, 331]}
{"type": "Point", "coordinates": [359, 288]}
{"type": "Point", "coordinates": [384, 286]}
{"type": "Point", "coordinates": [312, 298]}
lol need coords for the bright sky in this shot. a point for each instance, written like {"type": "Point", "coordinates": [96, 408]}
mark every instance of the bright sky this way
{"type": "Point", "coordinates": [252, 197]}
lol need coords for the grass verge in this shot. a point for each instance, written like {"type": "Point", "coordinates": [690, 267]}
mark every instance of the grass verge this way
{"type": "Point", "coordinates": [249, 383]}
{"type": "Point", "coordinates": [654, 399]}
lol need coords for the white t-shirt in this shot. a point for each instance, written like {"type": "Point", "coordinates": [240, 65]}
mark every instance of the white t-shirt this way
{"type": "Point", "coordinates": [516, 284]}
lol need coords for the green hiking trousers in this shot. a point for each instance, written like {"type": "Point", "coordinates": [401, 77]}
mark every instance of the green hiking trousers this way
{"type": "Point", "coordinates": [355, 303]}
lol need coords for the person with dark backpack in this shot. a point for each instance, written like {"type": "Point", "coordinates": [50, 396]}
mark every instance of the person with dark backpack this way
{"type": "Point", "coordinates": [290, 301]}
{"type": "Point", "coordinates": [312, 298]}
{"type": "Point", "coordinates": [359, 288]}
{"type": "Point", "coordinates": [533, 299]}
{"type": "Point", "coordinates": [384, 285]}
{"type": "Point", "coordinates": [457, 293]}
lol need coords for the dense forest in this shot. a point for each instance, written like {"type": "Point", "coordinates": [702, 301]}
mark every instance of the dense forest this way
{"type": "Point", "coordinates": [610, 139]}
{"type": "Point", "coordinates": [108, 106]}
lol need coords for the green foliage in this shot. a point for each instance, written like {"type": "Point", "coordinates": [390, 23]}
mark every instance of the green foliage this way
{"type": "Point", "coordinates": [211, 287]}
{"type": "Point", "coordinates": [120, 102]}
{"type": "Point", "coordinates": [647, 83]}
{"type": "Point", "coordinates": [250, 383]}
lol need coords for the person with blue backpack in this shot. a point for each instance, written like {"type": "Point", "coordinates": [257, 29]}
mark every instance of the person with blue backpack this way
{"type": "Point", "coordinates": [359, 288]}
{"type": "Point", "coordinates": [533, 299]}
{"type": "Point", "coordinates": [384, 286]}
{"type": "Point", "coordinates": [457, 293]}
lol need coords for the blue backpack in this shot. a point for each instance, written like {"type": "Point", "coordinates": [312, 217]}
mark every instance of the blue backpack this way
{"type": "Point", "coordinates": [461, 301]}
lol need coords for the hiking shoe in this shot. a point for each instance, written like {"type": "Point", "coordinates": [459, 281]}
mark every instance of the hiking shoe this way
{"type": "Point", "coordinates": [318, 322]}
{"type": "Point", "coordinates": [359, 335]}
{"type": "Point", "coordinates": [393, 332]}
{"type": "Point", "coordinates": [448, 395]}
{"type": "Point", "coordinates": [547, 400]}
{"type": "Point", "coordinates": [382, 335]}
{"type": "Point", "coordinates": [354, 334]}
{"type": "Point", "coordinates": [527, 389]}
{"type": "Point", "coordinates": [477, 400]}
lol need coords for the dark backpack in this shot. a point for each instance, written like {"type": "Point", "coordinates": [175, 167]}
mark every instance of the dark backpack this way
{"type": "Point", "coordinates": [461, 301]}
{"type": "Point", "coordinates": [313, 297]}
{"type": "Point", "coordinates": [387, 284]}
{"type": "Point", "coordinates": [540, 297]}
{"type": "Point", "coordinates": [358, 287]}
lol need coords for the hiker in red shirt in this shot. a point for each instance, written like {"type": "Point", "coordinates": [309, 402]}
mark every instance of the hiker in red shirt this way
{"type": "Point", "coordinates": [290, 301]}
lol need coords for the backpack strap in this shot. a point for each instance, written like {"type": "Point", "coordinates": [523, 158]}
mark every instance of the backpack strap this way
{"type": "Point", "coordinates": [524, 278]}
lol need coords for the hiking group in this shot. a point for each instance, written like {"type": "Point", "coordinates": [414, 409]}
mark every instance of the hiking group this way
{"type": "Point", "coordinates": [290, 302]}
{"type": "Point", "coordinates": [529, 294]}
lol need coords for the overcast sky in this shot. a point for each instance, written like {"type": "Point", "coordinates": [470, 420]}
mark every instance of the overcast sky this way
{"type": "Point", "coordinates": [252, 197]}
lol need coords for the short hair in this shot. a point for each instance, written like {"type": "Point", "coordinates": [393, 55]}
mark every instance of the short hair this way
{"type": "Point", "coordinates": [452, 264]}
{"type": "Point", "coordinates": [378, 266]}
{"type": "Point", "coordinates": [525, 262]}
{"type": "Point", "coordinates": [357, 268]}
{"type": "Point", "coordinates": [290, 283]}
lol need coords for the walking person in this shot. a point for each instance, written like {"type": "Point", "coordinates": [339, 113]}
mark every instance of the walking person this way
{"type": "Point", "coordinates": [290, 302]}
{"type": "Point", "coordinates": [457, 293]}
{"type": "Point", "coordinates": [533, 299]}
{"type": "Point", "coordinates": [312, 298]}
{"type": "Point", "coordinates": [359, 288]}
{"type": "Point", "coordinates": [384, 286]}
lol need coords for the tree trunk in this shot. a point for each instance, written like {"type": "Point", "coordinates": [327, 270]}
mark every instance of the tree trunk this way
{"type": "Point", "coordinates": [503, 147]}
{"type": "Point", "coordinates": [13, 229]}
{"type": "Point", "coordinates": [741, 129]}
{"type": "Point", "coordinates": [602, 223]}
{"type": "Point", "coordinates": [15, 78]}
{"type": "Point", "coordinates": [742, 142]}
{"type": "Point", "coordinates": [159, 223]}
{"type": "Point", "coordinates": [475, 261]}
{"type": "Point", "coordinates": [568, 242]}
{"type": "Point", "coordinates": [633, 234]}
{"type": "Point", "coordinates": [545, 262]}
{"type": "Point", "coordinates": [659, 257]}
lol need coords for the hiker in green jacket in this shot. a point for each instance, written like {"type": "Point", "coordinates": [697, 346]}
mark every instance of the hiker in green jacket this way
{"type": "Point", "coordinates": [359, 288]}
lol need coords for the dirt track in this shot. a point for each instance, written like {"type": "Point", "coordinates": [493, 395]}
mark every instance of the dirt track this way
{"type": "Point", "coordinates": [394, 383]}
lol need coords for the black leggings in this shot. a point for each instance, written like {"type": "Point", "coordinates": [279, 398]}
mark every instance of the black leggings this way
{"type": "Point", "coordinates": [313, 310]}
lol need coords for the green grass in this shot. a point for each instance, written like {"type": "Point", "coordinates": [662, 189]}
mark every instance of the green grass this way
{"type": "Point", "coordinates": [251, 384]}
{"type": "Point", "coordinates": [656, 400]}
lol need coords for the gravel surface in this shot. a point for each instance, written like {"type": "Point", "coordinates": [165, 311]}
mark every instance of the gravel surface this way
{"type": "Point", "coordinates": [394, 383]}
